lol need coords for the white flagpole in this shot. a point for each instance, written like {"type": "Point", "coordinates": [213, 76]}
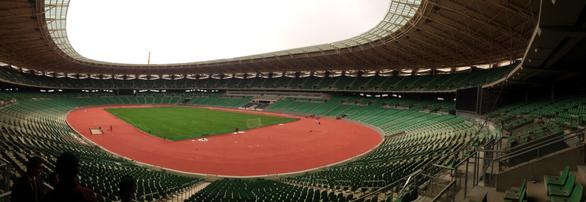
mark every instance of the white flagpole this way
{"type": "Point", "coordinates": [149, 59]}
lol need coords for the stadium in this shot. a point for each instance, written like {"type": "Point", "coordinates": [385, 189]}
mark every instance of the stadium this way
{"type": "Point", "coordinates": [441, 100]}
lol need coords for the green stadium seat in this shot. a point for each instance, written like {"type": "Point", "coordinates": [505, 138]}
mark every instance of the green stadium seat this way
{"type": "Point", "coordinates": [575, 196]}
{"type": "Point", "coordinates": [564, 190]}
{"type": "Point", "coordinates": [559, 181]}
{"type": "Point", "coordinates": [413, 138]}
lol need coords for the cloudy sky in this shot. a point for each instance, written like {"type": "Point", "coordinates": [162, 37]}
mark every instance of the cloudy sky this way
{"type": "Point", "coordinates": [178, 31]}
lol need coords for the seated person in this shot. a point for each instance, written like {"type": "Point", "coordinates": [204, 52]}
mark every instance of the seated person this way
{"type": "Point", "coordinates": [68, 188]}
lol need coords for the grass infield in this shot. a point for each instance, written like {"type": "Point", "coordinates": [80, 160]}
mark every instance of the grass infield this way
{"type": "Point", "coordinates": [179, 123]}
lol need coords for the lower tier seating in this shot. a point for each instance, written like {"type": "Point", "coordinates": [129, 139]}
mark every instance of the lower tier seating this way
{"type": "Point", "coordinates": [35, 125]}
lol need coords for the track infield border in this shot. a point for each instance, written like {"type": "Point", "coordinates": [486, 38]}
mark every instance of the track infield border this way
{"type": "Point", "coordinates": [162, 168]}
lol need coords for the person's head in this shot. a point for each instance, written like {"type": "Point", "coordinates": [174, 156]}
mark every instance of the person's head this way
{"type": "Point", "coordinates": [127, 187]}
{"type": "Point", "coordinates": [34, 166]}
{"type": "Point", "coordinates": [67, 167]}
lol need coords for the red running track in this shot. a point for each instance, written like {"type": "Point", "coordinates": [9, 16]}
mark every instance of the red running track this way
{"type": "Point", "coordinates": [279, 149]}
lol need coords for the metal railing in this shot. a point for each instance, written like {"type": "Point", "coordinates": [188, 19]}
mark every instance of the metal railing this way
{"type": "Point", "coordinates": [504, 156]}
{"type": "Point", "coordinates": [469, 160]}
{"type": "Point", "coordinates": [426, 173]}
{"type": "Point", "coordinates": [480, 165]}
{"type": "Point", "coordinates": [448, 193]}
{"type": "Point", "coordinates": [404, 181]}
{"type": "Point", "coordinates": [464, 181]}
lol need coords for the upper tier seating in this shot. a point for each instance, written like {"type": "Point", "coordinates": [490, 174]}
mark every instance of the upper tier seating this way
{"type": "Point", "coordinates": [416, 83]}
{"type": "Point", "coordinates": [529, 124]}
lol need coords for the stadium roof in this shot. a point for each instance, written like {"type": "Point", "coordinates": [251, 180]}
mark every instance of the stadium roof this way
{"type": "Point", "coordinates": [415, 34]}
{"type": "Point", "coordinates": [556, 54]}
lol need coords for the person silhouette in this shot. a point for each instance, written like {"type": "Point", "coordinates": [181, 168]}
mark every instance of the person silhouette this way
{"type": "Point", "coordinates": [127, 188]}
{"type": "Point", "coordinates": [68, 188]}
{"type": "Point", "coordinates": [29, 187]}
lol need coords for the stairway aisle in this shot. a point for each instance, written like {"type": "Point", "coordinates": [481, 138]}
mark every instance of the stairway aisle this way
{"type": "Point", "coordinates": [182, 196]}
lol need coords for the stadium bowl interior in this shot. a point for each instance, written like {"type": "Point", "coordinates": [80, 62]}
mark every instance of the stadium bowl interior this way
{"type": "Point", "coordinates": [462, 100]}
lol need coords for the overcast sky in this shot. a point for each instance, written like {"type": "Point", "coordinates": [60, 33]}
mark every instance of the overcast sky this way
{"type": "Point", "coordinates": [178, 31]}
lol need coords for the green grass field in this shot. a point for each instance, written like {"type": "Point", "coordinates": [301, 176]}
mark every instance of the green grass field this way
{"type": "Point", "coordinates": [178, 123]}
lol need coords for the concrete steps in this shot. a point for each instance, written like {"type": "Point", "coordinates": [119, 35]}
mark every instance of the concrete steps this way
{"type": "Point", "coordinates": [182, 196]}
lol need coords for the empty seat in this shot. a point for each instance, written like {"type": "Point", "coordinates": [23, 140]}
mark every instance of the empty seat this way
{"type": "Point", "coordinates": [565, 190]}
{"type": "Point", "coordinates": [576, 195]}
{"type": "Point", "coordinates": [555, 180]}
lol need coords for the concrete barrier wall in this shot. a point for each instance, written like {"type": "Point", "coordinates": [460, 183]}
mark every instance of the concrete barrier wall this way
{"type": "Point", "coordinates": [535, 169]}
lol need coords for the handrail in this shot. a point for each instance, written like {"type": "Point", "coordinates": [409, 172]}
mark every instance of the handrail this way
{"type": "Point", "coordinates": [409, 180]}
{"type": "Point", "coordinates": [574, 134]}
{"type": "Point", "coordinates": [415, 173]}
{"type": "Point", "coordinates": [383, 187]}
{"type": "Point", "coordinates": [536, 147]}
{"type": "Point", "coordinates": [453, 181]}
{"type": "Point", "coordinates": [48, 186]}
{"type": "Point", "coordinates": [441, 193]}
